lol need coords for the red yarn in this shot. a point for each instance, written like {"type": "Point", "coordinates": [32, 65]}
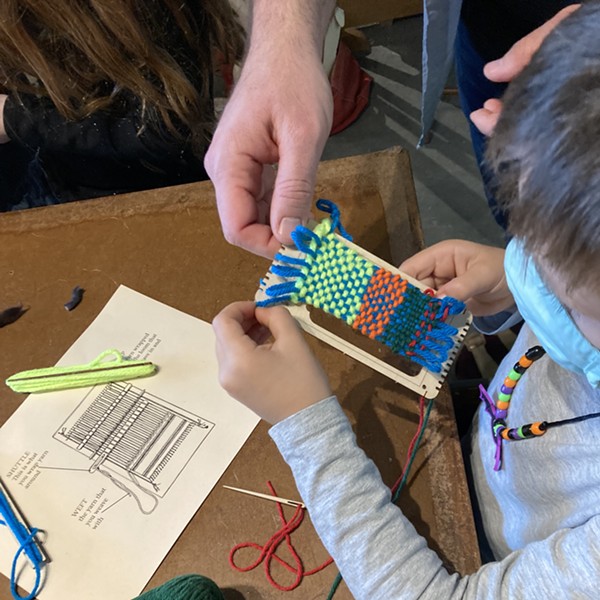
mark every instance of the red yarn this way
{"type": "Point", "coordinates": [411, 446]}
{"type": "Point", "coordinates": [268, 551]}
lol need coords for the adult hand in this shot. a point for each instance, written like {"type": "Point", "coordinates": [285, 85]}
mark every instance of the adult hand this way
{"type": "Point", "coordinates": [3, 137]}
{"type": "Point", "coordinates": [274, 379]}
{"type": "Point", "coordinates": [470, 272]}
{"type": "Point", "coordinates": [280, 112]}
{"type": "Point", "coordinates": [510, 65]}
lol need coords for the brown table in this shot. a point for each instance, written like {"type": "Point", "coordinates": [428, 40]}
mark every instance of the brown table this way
{"type": "Point", "coordinates": [168, 244]}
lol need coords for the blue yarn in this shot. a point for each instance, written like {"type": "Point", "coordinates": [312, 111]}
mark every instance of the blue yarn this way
{"type": "Point", "coordinates": [273, 301]}
{"type": "Point", "coordinates": [285, 271]}
{"type": "Point", "coordinates": [453, 305]}
{"type": "Point", "coordinates": [280, 289]}
{"type": "Point", "coordinates": [330, 207]}
{"type": "Point", "coordinates": [27, 546]}
{"type": "Point", "coordinates": [291, 260]}
{"type": "Point", "coordinates": [443, 332]}
{"type": "Point", "coordinates": [37, 566]}
{"type": "Point", "coordinates": [302, 236]}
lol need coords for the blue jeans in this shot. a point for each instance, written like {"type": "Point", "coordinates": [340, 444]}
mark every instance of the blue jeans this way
{"type": "Point", "coordinates": [474, 89]}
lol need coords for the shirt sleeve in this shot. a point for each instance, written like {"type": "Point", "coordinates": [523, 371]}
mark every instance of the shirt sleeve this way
{"type": "Point", "coordinates": [34, 122]}
{"type": "Point", "coordinates": [378, 551]}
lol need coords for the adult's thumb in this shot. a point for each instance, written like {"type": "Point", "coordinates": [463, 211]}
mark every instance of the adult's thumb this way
{"type": "Point", "coordinates": [293, 194]}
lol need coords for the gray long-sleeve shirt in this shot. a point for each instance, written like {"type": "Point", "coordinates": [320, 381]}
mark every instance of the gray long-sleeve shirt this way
{"type": "Point", "coordinates": [541, 512]}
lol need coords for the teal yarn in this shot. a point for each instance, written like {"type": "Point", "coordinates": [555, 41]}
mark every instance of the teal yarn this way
{"type": "Point", "coordinates": [185, 587]}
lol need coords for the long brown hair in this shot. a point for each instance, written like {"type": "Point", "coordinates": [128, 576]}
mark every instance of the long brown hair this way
{"type": "Point", "coordinates": [85, 54]}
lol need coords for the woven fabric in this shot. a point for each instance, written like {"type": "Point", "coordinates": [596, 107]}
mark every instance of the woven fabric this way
{"type": "Point", "coordinates": [380, 304]}
{"type": "Point", "coordinates": [335, 280]}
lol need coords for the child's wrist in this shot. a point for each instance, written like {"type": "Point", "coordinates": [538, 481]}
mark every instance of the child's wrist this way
{"type": "Point", "coordinates": [299, 410]}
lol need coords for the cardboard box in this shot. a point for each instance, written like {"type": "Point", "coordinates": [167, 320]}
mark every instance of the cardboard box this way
{"type": "Point", "coordinates": [360, 13]}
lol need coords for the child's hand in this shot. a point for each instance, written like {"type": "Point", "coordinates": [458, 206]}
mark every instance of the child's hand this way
{"type": "Point", "coordinates": [470, 272]}
{"type": "Point", "coordinates": [274, 379]}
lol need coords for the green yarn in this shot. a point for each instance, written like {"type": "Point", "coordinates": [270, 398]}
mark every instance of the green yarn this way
{"type": "Point", "coordinates": [185, 587]}
{"type": "Point", "coordinates": [96, 372]}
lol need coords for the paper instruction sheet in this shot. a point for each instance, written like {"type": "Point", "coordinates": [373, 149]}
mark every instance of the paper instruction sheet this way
{"type": "Point", "coordinates": [114, 473]}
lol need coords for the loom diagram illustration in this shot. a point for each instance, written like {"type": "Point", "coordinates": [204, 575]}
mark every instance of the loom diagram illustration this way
{"type": "Point", "coordinates": [139, 441]}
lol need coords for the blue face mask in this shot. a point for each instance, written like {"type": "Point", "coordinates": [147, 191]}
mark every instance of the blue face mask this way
{"type": "Point", "coordinates": [547, 318]}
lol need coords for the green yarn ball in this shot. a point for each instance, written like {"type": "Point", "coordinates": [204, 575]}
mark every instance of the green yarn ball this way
{"type": "Point", "coordinates": [185, 587]}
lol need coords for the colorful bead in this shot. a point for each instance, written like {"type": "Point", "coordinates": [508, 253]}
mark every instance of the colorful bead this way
{"type": "Point", "coordinates": [524, 432]}
{"type": "Point", "coordinates": [535, 353]}
{"type": "Point", "coordinates": [498, 426]}
{"type": "Point", "coordinates": [499, 409]}
{"type": "Point", "coordinates": [538, 428]}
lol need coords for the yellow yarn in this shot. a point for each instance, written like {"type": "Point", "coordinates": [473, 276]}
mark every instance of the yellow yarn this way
{"type": "Point", "coordinates": [96, 372]}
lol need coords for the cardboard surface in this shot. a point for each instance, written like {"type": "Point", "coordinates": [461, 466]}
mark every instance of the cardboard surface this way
{"type": "Point", "coordinates": [359, 12]}
{"type": "Point", "coordinates": [168, 245]}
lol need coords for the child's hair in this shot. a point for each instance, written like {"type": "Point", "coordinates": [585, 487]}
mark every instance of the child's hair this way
{"type": "Point", "coordinates": [545, 150]}
{"type": "Point", "coordinates": [85, 54]}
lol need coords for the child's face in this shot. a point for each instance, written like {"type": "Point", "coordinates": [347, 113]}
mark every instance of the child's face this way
{"type": "Point", "coordinates": [582, 303]}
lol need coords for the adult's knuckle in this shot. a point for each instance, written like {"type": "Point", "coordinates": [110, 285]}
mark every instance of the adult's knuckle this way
{"type": "Point", "coordinates": [296, 191]}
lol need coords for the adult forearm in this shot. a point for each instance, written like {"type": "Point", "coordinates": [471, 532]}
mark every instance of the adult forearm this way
{"type": "Point", "coordinates": [299, 25]}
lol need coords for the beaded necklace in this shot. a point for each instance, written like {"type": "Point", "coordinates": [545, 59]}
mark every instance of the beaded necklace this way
{"type": "Point", "coordinates": [499, 410]}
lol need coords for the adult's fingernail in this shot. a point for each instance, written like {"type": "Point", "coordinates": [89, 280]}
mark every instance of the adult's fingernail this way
{"type": "Point", "coordinates": [287, 225]}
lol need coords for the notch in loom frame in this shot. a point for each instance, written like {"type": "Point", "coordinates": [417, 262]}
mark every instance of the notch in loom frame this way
{"type": "Point", "coordinates": [425, 382]}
